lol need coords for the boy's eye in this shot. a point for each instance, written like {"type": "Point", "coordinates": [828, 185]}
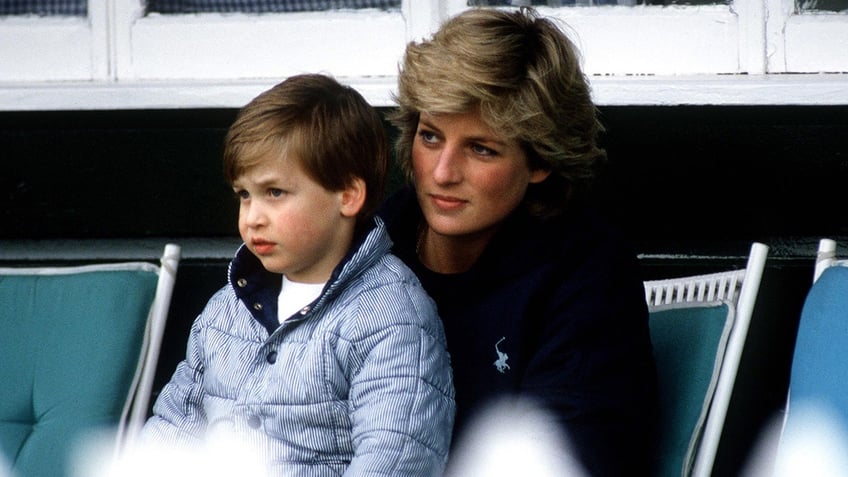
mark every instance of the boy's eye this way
{"type": "Point", "coordinates": [242, 194]}
{"type": "Point", "coordinates": [275, 192]}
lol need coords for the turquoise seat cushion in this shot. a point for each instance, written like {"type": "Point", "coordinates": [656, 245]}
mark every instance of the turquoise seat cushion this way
{"type": "Point", "coordinates": [819, 370]}
{"type": "Point", "coordinates": [689, 340]}
{"type": "Point", "coordinates": [69, 348]}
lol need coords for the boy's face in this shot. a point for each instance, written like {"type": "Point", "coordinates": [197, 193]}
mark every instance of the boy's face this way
{"type": "Point", "coordinates": [290, 222]}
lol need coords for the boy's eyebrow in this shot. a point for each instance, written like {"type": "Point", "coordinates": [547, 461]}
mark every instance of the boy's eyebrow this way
{"type": "Point", "coordinates": [263, 181]}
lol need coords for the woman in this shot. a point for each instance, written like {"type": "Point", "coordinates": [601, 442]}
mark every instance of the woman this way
{"type": "Point", "coordinates": [540, 298]}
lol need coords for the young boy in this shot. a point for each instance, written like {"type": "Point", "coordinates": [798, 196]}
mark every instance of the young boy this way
{"type": "Point", "coordinates": [323, 353]}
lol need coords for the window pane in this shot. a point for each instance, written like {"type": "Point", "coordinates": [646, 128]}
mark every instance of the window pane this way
{"type": "Point", "coordinates": [44, 7]}
{"type": "Point", "coordinates": [263, 6]}
{"type": "Point", "coordinates": [822, 5]}
{"type": "Point", "coordinates": [570, 3]}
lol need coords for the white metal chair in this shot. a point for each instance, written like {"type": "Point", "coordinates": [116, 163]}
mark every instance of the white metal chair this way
{"type": "Point", "coordinates": [154, 332]}
{"type": "Point", "coordinates": [826, 257]}
{"type": "Point", "coordinates": [699, 326]}
{"type": "Point", "coordinates": [78, 352]}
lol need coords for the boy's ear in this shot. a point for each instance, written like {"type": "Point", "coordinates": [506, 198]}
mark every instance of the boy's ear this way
{"type": "Point", "coordinates": [353, 198]}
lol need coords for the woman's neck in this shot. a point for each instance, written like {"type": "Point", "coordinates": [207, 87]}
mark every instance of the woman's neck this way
{"type": "Point", "coordinates": [449, 253]}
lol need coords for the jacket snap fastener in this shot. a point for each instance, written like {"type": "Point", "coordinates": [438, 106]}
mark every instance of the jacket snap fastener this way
{"type": "Point", "coordinates": [253, 422]}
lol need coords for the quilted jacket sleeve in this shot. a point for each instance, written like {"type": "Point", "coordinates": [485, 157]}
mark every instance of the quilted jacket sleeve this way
{"type": "Point", "coordinates": [178, 416]}
{"type": "Point", "coordinates": [401, 394]}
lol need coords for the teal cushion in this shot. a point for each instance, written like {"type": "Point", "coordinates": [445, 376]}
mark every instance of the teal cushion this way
{"type": "Point", "coordinates": [687, 339]}
{"type": "Point", "coordinates": [819, 373]}
{"type": "Point", "coordinates": [68, 353]}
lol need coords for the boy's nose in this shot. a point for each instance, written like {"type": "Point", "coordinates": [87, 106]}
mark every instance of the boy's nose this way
{"type": "Point", "coordinates": [254, 215]}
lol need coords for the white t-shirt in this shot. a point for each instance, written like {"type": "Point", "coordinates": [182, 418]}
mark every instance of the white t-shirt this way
{"type": "Point", "coordinates": [295, 296]}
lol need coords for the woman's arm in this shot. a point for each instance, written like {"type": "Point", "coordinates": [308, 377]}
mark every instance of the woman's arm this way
{"type": "Point", "coordinates": [593, 365]}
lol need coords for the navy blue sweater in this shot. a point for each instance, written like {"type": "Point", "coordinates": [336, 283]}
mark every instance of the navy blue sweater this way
{"type": "Point", "coordinates": [555, 310]}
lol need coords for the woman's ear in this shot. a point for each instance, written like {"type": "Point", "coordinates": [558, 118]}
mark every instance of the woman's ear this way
{"type": "Point", "coordinates": [353, 198]}
{"type": "Point", "coordinates": [538, 175]}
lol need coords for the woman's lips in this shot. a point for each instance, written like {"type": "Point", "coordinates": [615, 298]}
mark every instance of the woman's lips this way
{"type": "Point", "coordinates": [446, 203]}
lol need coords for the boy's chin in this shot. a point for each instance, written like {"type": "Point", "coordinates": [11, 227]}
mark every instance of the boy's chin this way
{"type": "Point", "coordinates": [270, 264]}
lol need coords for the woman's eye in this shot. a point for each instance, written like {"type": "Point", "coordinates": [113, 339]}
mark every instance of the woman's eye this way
{"type": "Point", "coordinates": [427, 136]}
{"type": "Point", "coordinates": [482, 150]}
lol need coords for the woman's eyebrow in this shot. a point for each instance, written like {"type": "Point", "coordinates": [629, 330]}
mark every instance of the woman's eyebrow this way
{"type": "Point", "coordinates": [481, 137]}
{"type": "Point", "coordinates": [428, 124]}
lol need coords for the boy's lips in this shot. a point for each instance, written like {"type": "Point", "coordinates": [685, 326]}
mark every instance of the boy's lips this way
{"type": "Point", "coordinates": [262, 247]}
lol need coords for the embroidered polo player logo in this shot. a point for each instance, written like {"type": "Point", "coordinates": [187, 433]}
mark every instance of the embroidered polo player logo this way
{"type": "Point", "coordinates": [500, 363]}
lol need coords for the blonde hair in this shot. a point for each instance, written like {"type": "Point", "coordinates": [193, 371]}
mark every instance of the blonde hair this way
{"type": "Point", "coordinates": [524, 75]}
{"type": "Point", "coordinates": [330, 128]}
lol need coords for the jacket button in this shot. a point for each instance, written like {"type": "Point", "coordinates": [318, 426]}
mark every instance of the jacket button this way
{"type": "Point", "coordinates": [272, 357]}
{"type": "Point", "coordinates": [253, 421]}
{"type": "Point", "coordinates": [241, 282]}
{"type": "Point", "coordinates": [257, 306]}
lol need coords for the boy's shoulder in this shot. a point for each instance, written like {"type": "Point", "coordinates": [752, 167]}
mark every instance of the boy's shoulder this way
{"type": "Point", "coordinates": [223, 311]}
{"type": "Point", "coordinates": [389, 293]}
{"type": "Point", "coordinates": [391, 272]}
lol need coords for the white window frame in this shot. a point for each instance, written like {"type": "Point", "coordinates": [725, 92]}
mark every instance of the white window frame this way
{"type": "Point", "coordinates": [118, 58]}
{"type": "Point", "coordinates": [805, 43]}
{"type": "Point", "coordinates": [42, 49]}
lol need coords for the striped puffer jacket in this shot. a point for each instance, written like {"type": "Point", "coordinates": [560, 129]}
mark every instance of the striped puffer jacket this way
{"type": "Point", "coordinates": [357, 383]}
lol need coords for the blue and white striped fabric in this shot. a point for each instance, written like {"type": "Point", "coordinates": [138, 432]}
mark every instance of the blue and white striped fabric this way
{"type": "Point", "coordinates": [359, 385]}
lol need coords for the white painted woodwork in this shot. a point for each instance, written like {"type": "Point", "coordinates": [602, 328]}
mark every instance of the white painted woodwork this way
{"type": "Point", "coordinates": [748, 52]}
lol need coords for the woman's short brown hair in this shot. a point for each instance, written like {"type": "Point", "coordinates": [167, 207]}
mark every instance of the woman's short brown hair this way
{"type": "Point", "coordinates": [524, 75]}
{"type": "Point", "coordinates": [330, 128]}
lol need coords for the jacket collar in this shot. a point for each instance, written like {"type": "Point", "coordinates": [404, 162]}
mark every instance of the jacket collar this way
{"type": "Point", "coordinates": [258, 288]}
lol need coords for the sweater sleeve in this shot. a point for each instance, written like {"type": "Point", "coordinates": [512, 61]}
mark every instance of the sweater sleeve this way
{"type": "Point", "coordinates": [401, 394]}
{"type": "Point", "coordinates": [592, 364]}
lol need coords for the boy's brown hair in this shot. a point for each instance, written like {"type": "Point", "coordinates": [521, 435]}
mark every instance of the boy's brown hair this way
{"type": "Point", "coordinates": [328, 127]}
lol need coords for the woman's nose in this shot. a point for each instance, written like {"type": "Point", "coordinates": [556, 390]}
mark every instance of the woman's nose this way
{"type": "Point", "coordinates": [448, 169]}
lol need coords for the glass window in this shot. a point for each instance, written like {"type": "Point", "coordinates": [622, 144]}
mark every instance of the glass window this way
{"type": "Point", "coordinates": [264, 6]}
{"type": "Point", "coordinates": [570, 3]}
{"type": "Point", "coordinates": [822, 5]}
{"type": "Point", "coordinates": [44, 7]}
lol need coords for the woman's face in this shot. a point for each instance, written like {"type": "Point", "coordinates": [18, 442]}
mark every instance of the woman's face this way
{"type": "Point", "coordinates": [467, 178]}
